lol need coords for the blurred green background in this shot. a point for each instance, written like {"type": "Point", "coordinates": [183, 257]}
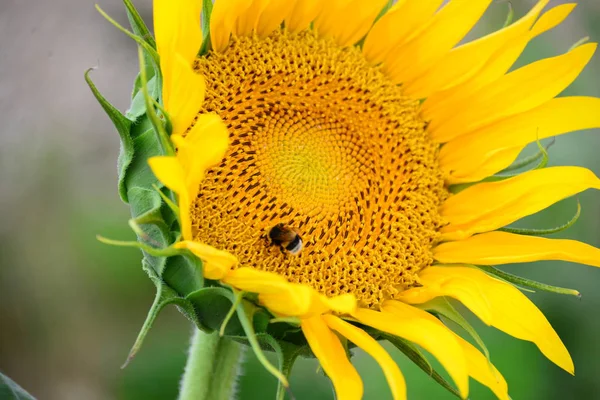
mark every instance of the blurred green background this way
{"type": "Point", "coordinates": [70, 307]}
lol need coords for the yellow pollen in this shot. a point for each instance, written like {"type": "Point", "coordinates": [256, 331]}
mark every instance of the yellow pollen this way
{"type": "Point", "coordinates": [326, 144]}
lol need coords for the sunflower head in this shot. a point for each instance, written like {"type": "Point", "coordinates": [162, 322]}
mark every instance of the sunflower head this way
{"type": "Point", "coordinates": [318, 176]}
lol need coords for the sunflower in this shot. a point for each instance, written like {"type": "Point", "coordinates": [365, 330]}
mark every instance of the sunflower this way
{"type": "Point", "coordinates": [354, 124]}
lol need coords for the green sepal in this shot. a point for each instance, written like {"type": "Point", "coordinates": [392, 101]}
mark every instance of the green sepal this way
{"type": "Point", "coordinates": [419, 359]}
{"type": "Point", "coordinates": [123, 126]}
{"type": "Point", "coordinates": [9, 390]}
{"type": "Point", "coordinates": [138, 103]}
{"type": "Point", "coordinates": [183, 273]}
{"type": "Point", "coordinates": [211, 305]}
{"type": "Point", "coordinates": [207, 6]}
{"type": "Point", "coordinates": [287, 354]}
{"type": "Point", "coordinates": [578, 43]}
{"type": "Point", "coordinates": [527, 161]}
{"type": "Point", "coordinates": [164, 296]}
{"type": "Point", "coordinates": [542, 232]}
{"type": "Point", "coordinates": [542, 153]}
{"type": "Point", "coordinates": [246, 312]}
{"type": "Point", "coordinates": [527, 283]}
{"type": "Point", "coordinates": [160, 126]}
{"type": "Point", "coordinates": [137, 24]}
{"type": "Point", "coordinates": [138, 39]}
{"type": "Point", "coordinates": [510, 16]}
{"type": "Point", "coordinates": [441, 307]}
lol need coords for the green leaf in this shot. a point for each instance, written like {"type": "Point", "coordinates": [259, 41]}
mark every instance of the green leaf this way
{"type": "Point", "coordinates": [417, 357]}
{"type": "Point", "coordinates": [9, 390]}
{"type": "Point", "coordinates": [548, 231]}
{"type": "Point", "coordinates": [211, 305]}
{"type": "Point", "coordinates": [528, 283]}
{"type": "Point", "coordinates": [137, 24]}
{"type": "Point", "coordinates": [123, 126]}
{"type": "Point", "coordinates": [442, 307]}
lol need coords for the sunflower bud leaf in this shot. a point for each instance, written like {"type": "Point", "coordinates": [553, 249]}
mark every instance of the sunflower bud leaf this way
{"type": "Point", "coordinates": [123, 126]}
{"type": "Point", "coordinates": [419, 359]}
{"type": "Point", "coordinates": [9, 390]}
{"type": "Point", "coordinates": [528, 283]}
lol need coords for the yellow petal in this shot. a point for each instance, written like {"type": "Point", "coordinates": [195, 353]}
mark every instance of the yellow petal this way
{"type": "Point", "coordinates": [489, 150]}
{"type": "Point", "coordinates": [204, 146]}
{"type": "Point", "coordinates": [487, 206]}
{"type": "Point", "coordinates": [516, 92]}
{"type": "Point", "coordinates": [223, 20]}
{"type": "Point", "coordinates": [470, 295]}
{"type": "Point", "coordinates": [512, 312]}
{"type": "Point", "coordinates": [302, 14]}
{"type": "Point", "coordinates": [343, 304]}
{"type": "Point", "coordinates": [169, 171]}
{"type": "Point", "coordinates": [464, 61]}
{"type": "Point", "coordinates": [273, 15]}
{"type": "Point", "coordinates": [177, 27]}
{"type": "Point", "coordinates": [331, 354]}
{"type": "Point", "coordinates": [177, 31]}
{"type": "Point", "coordinates": [247, 22]}
{"type": "Point", "coordinates": [275, 292]}
{"type": "Point", "coordinates": [412, 324]}
{"type": "Point", "coordinates": [497, 247]}
{"type": "Point", "coordinates": [369, 345]}
{"type": "Point", "coordinates": [215, 263]}
{"type": "Point", "coordinates": [441, 105]}
{"type": "Point", "coordinates": [482, 371]}
{"type": "Point", "coordinates": [403, 21]}
{"type": "Point", "coordinates": [185, 95]}
{"type": "Point", "coordinates": [348, 21]}
{"type": "Point", "coordinates": [446, 29]}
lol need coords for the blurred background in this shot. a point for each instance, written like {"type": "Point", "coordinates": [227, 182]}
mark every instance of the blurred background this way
{"type": "Point", "coordinates": [71, 307]}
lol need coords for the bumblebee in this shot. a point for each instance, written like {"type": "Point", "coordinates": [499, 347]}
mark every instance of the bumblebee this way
{"type": "Point", "coordinates": [286, 238]}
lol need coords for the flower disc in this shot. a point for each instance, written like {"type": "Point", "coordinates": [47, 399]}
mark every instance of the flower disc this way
{"type": "Point", "coordinates": [324, 143]}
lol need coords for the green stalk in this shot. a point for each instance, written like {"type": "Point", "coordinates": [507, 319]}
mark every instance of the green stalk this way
{"type": "Point", "coordinates": [213, 366]}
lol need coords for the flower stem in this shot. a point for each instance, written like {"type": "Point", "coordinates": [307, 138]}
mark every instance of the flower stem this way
{"type": "Point", "coordinates": [212, 368]}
